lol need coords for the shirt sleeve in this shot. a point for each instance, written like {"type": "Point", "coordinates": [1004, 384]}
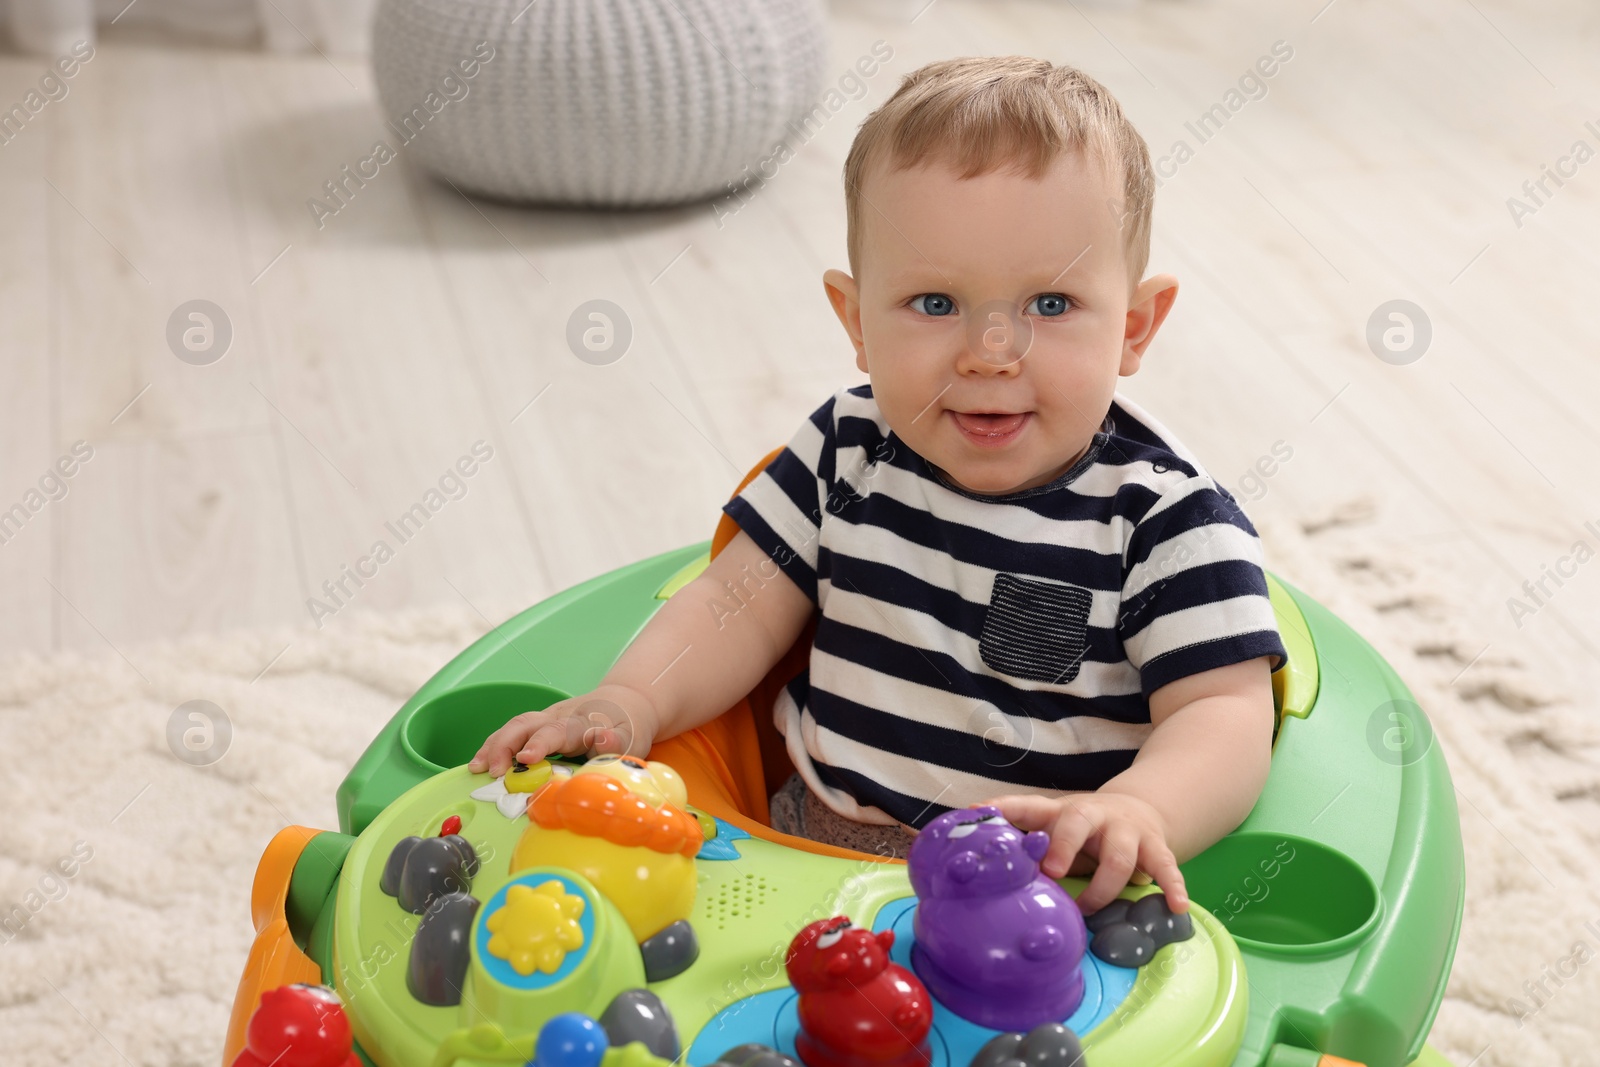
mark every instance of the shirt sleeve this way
{"type": "Point", "coordinates": [781, 509]}
{"type": "Point", "coordinates": [1194, 594]}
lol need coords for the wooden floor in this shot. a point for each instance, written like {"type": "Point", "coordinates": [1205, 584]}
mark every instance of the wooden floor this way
{"type": "Point", "coordinates": [370, 355]}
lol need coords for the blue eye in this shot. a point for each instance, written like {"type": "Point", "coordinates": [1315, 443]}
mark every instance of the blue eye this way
{"type": "Point", "coordinates": [934, 304]}
{"type": "Point", "coordinates": [1050, 305]}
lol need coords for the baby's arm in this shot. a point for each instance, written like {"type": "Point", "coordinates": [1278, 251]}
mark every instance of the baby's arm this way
{"type": "Point", "coordinates": [1195, 779]}
{"type": "Point", "coordinates": [1206, 762]}
{"type": "Point", "coordinates": [697, 656]}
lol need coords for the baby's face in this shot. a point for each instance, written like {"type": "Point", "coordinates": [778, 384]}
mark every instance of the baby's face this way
{"type": "Point", "coordinates": [992, 315]}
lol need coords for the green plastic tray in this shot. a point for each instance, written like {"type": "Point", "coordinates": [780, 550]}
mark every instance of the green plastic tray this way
{"type": "Point", "coordinates": [1341, 894]}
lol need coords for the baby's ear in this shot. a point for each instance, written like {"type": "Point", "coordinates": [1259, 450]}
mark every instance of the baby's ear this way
{"type": "Point", "coordinates": [845, 296]}
{"type": "Point", "coordinates": [1147, 310]}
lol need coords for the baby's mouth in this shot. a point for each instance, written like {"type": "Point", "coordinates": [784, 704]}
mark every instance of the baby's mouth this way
{"type": "Point", "coordinates": [989, 427]}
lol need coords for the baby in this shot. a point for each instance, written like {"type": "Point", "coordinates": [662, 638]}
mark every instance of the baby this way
{"type": "Point", "coordinates": [1028, 593]}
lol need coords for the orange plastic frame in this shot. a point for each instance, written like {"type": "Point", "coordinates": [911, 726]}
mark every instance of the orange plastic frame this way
{"type": "Point", "coordinates": [275, 959]}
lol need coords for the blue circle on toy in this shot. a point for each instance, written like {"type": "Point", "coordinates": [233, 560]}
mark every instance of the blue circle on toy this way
{"type": "Point", "coordinates": [501, 970]}
{"type": "Point", "coordinates": [570, 1040]}
{"type": "Point", "coordinates": [772, 1017]}
{"type": "Point", "coordinates": [1105, 986]}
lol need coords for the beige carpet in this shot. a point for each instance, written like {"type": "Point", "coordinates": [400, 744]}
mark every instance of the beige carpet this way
{"type": "Point", "coordinates": [134, 958]}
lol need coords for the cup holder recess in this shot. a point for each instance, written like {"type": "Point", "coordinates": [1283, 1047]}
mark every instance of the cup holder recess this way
{"type": "Point", "coordinates": [1284, 895]}
{"type": "Point", "coordinates": [447, 730]}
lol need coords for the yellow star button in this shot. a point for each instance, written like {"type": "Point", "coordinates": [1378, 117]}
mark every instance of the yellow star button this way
{"type": "Point", "coordinates": [536, 927]}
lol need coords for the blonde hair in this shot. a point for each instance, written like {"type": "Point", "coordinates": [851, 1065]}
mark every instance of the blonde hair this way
{"type": "Point", "coordinates": [980, 113]}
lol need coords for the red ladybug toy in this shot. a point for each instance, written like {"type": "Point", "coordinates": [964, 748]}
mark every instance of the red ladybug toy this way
{"type": "Point", "coordinates": [856, 1008]}
{"type": "Point", "coordinates": [298, 1026]}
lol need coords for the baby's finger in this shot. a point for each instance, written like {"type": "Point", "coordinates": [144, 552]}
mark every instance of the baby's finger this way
{"type": "Point", "coordinates": [480, 759]}
{"type": "Point", "coordinates": [1163, 866]}
{"type": "Point", "coordinates": [604, 718]}
{"type": "Point", "coordinates": [564, 735]}
{"type": "Point", "coordinates": [605, 740]}
{"type": "Point", "coordinates": [1119, 851]}
{"type": "Point", "coordinates": [496, 753]}
{"type": "Point", "coordinates": [1083, 864]}
{"type": "Point", "coordinates": [1027, 812]}
{"type": "Point", "coordinates": [1074, 826]}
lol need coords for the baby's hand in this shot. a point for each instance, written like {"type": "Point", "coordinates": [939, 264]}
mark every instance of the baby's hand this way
{"type": "Point", "coordinates": [612, 718]}
{"type": "Point", "coordinates": [1125, 834]}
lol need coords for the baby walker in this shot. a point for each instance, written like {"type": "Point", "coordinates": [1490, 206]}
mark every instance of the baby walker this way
{"type": "Point", "coordinates": [628, 912]}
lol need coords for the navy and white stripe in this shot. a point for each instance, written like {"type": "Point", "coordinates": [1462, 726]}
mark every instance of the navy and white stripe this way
{"type": "Point", "coordinates": [970, 646]}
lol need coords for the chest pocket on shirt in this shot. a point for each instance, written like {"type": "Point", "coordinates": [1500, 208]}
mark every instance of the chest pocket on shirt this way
{"type": "Point", "coordinates": [1036, 630]}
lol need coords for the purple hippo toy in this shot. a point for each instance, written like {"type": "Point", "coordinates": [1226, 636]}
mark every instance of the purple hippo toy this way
{"type": "Point", "coordinates": [997, 942]}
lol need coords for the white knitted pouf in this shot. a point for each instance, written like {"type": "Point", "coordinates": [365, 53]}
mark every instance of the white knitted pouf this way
{"type": "Point", "coordinates": [608, 103]}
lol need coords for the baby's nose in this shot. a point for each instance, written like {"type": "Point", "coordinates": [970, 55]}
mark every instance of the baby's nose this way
{"type": "Point", "coordinates": [996, 338]}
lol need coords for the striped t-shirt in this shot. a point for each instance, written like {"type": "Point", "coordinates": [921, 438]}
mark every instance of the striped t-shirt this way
{"type": "Point", "coordinates": [969, 646]}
